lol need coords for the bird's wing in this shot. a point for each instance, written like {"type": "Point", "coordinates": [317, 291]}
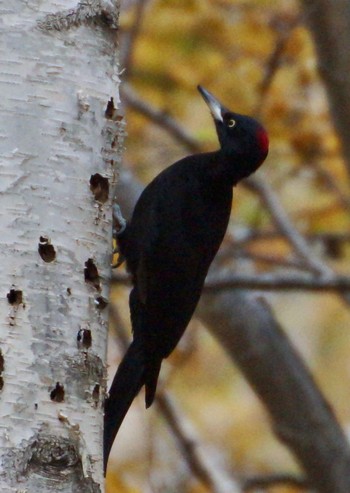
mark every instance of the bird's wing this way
{"type": "Point", "coordinates": [142, 277]}
{"type": "Point", "coordinates": [147, 240]}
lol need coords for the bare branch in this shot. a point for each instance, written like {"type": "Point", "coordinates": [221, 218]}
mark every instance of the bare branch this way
{"type": "Point", "coordinates": [160, 118]}
{"type": "Point", "coordinates": [285, 226]}
{"type": "Point", "coordinates": [129, 38]}
{"type": "Point", "coordinates": [275, 480]}
{"type": "Point", "coordinates": [272, 282]}
{"type": "Point", "coordinates": [264, 282]}
{"type": "Point", "coordinates": [200, 459]}
{"type": "Point", "coordinates": [260, 234]}
{"type": "Point", "coordinates": [274, 260]}
{"type": "Point", "coordinates": [284, 30]}
{"type": "Point", "coordinates": [300, 416]}
{"type": "Point", "coordinates": [332, 185]}
{"type": "Point", "coordinates": [329, 21]}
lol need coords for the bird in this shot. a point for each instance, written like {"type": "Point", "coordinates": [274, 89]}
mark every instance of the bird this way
{"type": "Point", "coordinates": [175, 231]}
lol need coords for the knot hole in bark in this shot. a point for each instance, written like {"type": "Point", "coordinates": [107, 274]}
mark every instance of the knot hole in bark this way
{"type": "Point", "coordinates": [91, 274]}
{"type": "Point", "coordinates": [84, 339]}
{"type": "Point", "coordinates": [101, 302]}
{"type": "Point", "coordinates": [110, 109]}
{"type": "Point", "coordinates": [46, 249]}
{"type": "Point", "coordinates": [2, 367]}
{"type": "Point", "coordinates": [53, 454]}
{"type": "Point", "coordinates": [111, 113]}
{"type": "Point", "coordinates": [57, 394]}
{"type": "Point", "coordinates": [99, 186]}
{"type": "Point", "coordinates": [96, 394]}
{"type": "Point", "coordinates": [15, 297]}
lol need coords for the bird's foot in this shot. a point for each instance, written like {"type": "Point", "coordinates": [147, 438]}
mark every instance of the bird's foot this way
{"type": "Point", "coordinates": [121, 258]}
{"type": "Point", "coordinates": [119, 225]}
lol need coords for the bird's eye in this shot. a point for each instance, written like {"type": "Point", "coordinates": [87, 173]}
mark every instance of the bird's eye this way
{"type": "Point", "coordinates": [231, 123]}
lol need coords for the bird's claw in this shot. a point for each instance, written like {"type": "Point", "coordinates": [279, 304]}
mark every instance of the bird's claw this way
{"type": "Point", "coordinates": [121, 258]}
{"type": "Point", "coordinates": [119, 223]}
{"type": "Point", "coordinates": [119, 262]}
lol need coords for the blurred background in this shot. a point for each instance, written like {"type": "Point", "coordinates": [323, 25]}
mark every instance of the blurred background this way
{"type": "Point", "coordinates": [258, 58]}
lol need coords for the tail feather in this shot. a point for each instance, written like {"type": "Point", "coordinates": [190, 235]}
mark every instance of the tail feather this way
{"type": "Point", "coordinates": [151, 379]}
{"type": "Point", "coordinates": [128, 380]}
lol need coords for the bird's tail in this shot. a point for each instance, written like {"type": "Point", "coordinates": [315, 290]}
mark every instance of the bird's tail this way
{"type": "Point", "coordinates": [127, 383]}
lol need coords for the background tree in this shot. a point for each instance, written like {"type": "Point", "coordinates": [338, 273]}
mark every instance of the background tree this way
{"type": "Point", "coordinates": [260, 54]}
{"type": "Point", "coordinates": [59, 151]}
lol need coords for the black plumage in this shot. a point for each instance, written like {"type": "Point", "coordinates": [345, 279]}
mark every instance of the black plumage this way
{"type": "Point", "coordinates": [175, 231]}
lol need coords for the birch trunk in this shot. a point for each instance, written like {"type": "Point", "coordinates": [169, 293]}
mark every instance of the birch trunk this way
{"type": "Point", "coordinates": [58, 156]}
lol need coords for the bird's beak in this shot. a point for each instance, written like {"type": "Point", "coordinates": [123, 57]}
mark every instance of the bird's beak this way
{"type": "Point", "coordinates": [214, 105]}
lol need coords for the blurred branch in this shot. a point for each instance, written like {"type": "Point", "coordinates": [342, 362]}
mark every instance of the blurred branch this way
{"type": "Point", "coordinates": [332, 185]}
{"type": "Point", "coordinates": [274, 260]}
{"type": "Point", "coordinates": [129, 37]}
{"type": "Point", "coordinates": [159, 117]}
{"type": "Point", "coordinates": [300, 416]}
{"type": "Point", "coordinates": [260, 234]}
{"type": "Point", "coordinates": [202, 462]}
{"type": "Point", "coordinates": [329, 22]}
{"type": "Point", "coordinates": [263, 282]}
{"type": "Point", "coordinates": [275, 480]}
{"type": "Point", "coordinates": [283, 30]}
{"type": "Point", "coordinates": [285, 226]}
{"type": "Point", "coordinates": [272, 282]}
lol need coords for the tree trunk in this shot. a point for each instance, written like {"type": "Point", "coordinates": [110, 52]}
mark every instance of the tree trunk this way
{"type": "Point", "coordinates": [59, 151]}
{"type": "Point", "coordinates": [329, 22]}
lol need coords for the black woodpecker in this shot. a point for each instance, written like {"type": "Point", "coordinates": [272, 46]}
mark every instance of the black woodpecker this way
{"type": "Point", "coordinates": [175, 231]}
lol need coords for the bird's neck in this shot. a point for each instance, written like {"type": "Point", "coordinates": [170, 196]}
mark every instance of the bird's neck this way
{"type": "Point", "coordinates": [225, 167]}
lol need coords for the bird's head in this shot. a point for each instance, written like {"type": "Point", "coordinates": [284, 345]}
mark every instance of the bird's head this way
{"type": "Point", "coordinates": [241, 137]}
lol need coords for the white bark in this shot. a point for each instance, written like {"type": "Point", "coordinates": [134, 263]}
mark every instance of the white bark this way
{"type": "Point", "coordinates": [58, 71]}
